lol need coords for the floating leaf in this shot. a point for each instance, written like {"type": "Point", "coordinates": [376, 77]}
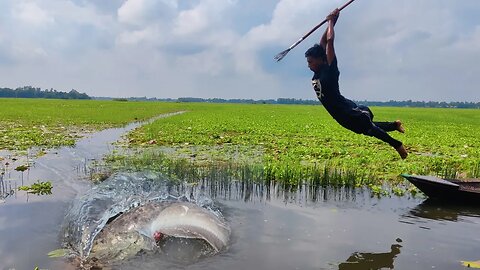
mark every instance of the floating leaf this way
{"type": "Point", "coordinates": [21, 168]}
{"type": "Point", "coordinates": [58, 253]}
{"type": "Point", "coordinates": [39, 188]}
{"type": "Point", "coordinates": [471, 264]}
{"type": "Point", "coordinates": [24, 188]}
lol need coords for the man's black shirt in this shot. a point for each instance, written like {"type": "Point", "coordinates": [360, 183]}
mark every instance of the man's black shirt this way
{"type": "Point", "coordinates": [343, 110]}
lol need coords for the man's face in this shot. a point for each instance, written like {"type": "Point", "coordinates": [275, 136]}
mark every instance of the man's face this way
{"type": "Point", "coordinates": [315, 64]}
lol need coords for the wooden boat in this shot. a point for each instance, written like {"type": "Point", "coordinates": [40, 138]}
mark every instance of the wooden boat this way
{"type": "Point", "coordinates": [452, 190]}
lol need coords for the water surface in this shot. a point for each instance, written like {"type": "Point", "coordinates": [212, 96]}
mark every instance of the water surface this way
{"type": "Point", "coordinates": [339, 230]}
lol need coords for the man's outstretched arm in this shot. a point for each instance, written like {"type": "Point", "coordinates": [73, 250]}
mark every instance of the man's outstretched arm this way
{"type": "Point", "coordinates": [330, 36]}
{"type": "Point", "coordinates": [323, 40]}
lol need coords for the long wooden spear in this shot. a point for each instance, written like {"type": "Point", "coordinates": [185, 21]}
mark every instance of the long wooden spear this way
{"type": "Point", "coordinates": [281, 55]}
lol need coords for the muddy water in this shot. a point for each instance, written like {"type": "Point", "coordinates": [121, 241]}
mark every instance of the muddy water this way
{"type": "Point", "coordinates": [271, 228]}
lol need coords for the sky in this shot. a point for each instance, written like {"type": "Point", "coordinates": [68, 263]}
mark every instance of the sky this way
{"type": "Point", "coordinates": [423, 50]}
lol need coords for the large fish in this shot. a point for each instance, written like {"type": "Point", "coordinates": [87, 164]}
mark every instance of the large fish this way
{"type": "Point", "coordinates": [188, 220]}
{"type": "Point", "coordinates": [149, 227]}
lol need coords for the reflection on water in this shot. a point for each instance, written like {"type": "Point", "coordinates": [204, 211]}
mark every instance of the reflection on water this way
{"type": "Point", "coordinates": [6, 188]}
{"type": "Point", "coordinates": [302, 227]}
{"type": "Point", "coordinates": [372, 261]}
{"type": "Point", "coordinates": [249, 191]}
{"type": "Point", "coordinates": [332, 221]}
{"type": "Point", "coordinates": [436, 210]}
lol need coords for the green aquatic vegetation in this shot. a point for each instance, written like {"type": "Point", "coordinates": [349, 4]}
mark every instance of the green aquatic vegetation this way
{"type": "Point", "coordinates": [21, 168]}
{"type": "Point", "coordinates": [52, 123]}
{"type": "Point", "coordinates": [288, 143]}
{"type": "Point", "coordinates": [293, 141]}
{"type": "Point", "coordinates": [58, 253]}
{"type": "Point", "coordinates": [182, 169]}
{"type": "Point", "coordinates": [378, 190]}
{"type": "Point", "coordinates": [413, 191]}
{"type": "Point", "coordinates": [398, 191]}
{"type": "Point", "coordinates": [39, 188]}
{"type": "Point", "coordinates": [475, 170]}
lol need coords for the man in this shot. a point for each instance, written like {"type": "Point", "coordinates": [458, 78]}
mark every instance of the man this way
{"type": "Point", "coordinates": [322, 61]}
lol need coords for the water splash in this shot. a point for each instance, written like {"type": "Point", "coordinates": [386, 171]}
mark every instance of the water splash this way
{"type": "Point", "coordinates": [118, 194]}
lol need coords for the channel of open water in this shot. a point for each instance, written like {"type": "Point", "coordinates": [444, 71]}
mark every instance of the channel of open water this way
{"type": "Point", "coordinates": [272, 228]}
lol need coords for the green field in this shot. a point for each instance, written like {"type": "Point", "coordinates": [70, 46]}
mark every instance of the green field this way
{"type": "Point", "coordinates": [291, 143]}
{"type": "Point", "coordinates": [50, 123]}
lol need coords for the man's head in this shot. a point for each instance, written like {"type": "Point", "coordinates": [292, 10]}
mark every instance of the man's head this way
{"type": "Point", "coordinates": [316, 57]}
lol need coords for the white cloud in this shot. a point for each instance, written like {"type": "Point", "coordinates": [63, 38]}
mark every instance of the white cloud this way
{"type": "Point", "coordinates": [291, 19]}
{"type": "Point", "coordinates": [141, 12]}
{"type": "Point", "coordinates": [31, 14]}
{"type": "Point", "coordinates": [390, 49]}
{"type": "Point", "coordinates": [190, 21]}
{"type": "Point", "coordinates": [146, 21]}
{"type": "Point", "coordinates": [134, 37]}
{"type": "Point", "coordinates": [207, 15]}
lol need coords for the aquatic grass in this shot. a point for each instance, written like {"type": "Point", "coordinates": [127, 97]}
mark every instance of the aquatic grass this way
{"type": "Point", "coordinates": [476, 170]}
{"type": "Point", "coordinates": [182, 169]}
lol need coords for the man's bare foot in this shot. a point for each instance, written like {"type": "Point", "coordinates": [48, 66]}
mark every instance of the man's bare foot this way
{"type": "Point", "coordinates": [400, 127]}
{"type": "Point", "coordinates": [402, 151]}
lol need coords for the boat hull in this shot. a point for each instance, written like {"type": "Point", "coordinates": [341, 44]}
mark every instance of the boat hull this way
{"type": "Point", "coordinates": [451, 190]}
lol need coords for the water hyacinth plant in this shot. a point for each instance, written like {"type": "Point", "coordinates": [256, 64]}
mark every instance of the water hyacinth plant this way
{"type": "Point", "coordinates": [39, 188]}
{"type": "Point", "coordinates": [285, 143]}
{"type": "Point", "coordinates": [302, 143]}
{"type": "Point", "coordinates": [51, 123]}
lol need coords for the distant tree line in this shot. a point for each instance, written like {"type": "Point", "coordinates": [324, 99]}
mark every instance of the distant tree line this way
{"type": "Point", "coordinates": [33, 92]}
{"type": "Point", "coordinates": [221, 100]}
{"type": "Point", "coordinates": [423, 104]}
{"type": "Point", "coordinates": [250, 101]}
{"type": "Point", "coordinates": [391, 103]}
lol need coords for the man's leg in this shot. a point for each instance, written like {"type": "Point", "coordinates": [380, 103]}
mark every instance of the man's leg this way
{"type": "Point", "coordinates": [391, 126]}
{"type": "Point", "coordinates": [379, 133]}
{"type": "Point", "coordinates": [362, 121]}
{"type": "Point", "coordinates": [387, 126]}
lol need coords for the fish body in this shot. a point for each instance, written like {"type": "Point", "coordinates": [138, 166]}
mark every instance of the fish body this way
{"type": "Point", "coordinates": [121, 239]}
{"type": "Point", "coordinates": [188, 220]}
{"type": "Point", "coordinates": [131, 232]}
